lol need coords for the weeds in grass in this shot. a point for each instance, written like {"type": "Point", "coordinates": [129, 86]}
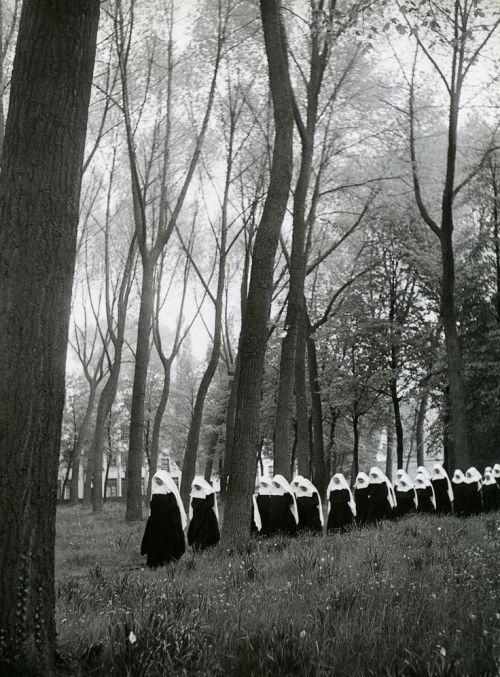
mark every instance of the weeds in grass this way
{"type": "Point", "coordinates": [419, 597]}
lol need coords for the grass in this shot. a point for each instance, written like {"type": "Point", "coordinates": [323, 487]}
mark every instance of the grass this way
{"type": "Point", "coordinates": [416, 597]}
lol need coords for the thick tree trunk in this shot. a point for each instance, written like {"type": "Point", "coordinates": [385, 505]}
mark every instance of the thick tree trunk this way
{"type": "Point", "coordinates": [230, 414]}
{"type": "Point", "coordinates": [459, 427]}
{"type": "Point", "coordinates": [136, 441]}
{"type": "Point", "coordinates": [318, 453]}
{"type": "Point", "coordinates": [39, 195]}
{"type": "Point", "coordinates": [301, 404]}
{"type": "Point", "coordinates": [254, 329]}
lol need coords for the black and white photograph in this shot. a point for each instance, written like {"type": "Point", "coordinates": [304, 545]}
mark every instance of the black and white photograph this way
{"type": "Point", "coordinates": [249, 338]}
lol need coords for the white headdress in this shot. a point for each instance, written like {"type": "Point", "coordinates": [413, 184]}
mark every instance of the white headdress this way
{"type": "Point", "coordinates": [496, 470]}
{"type": "Point", "coordinates": [422, 470]}
{"type": "Point", "coordinates": [163, 483]}
{"type": "Point", "coordinates": [265, 486]}
{"type": "Point", "coordinates": [473, 475]}
{"type": "Point", "coordinates": [362, 481]}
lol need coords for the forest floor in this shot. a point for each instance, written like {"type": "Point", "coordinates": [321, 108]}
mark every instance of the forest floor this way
{"type": "Point", "coordinates": [416, 597]}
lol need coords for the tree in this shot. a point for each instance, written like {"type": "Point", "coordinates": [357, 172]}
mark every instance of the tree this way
{"type": "Point", "coordinates": [463, 32]}
{"type": "Point", "coordinates": [254, 326]}
{"type": "Point", "coordinates": [39, 193]}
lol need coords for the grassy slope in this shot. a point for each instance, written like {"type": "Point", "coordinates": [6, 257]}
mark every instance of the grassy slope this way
{"type": "Point", "coordinates": [416, 597]}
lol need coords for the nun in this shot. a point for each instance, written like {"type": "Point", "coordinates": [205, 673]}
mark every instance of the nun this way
{"type": "Point", "coordinates": [283, 515]}
{"type": "Point", "coordinates": [459, 494]}
{"type": "Point", "coordinates": [361, 496]}
{"type": "Point", "coordinates": [443, 491]}
{"type": "Point", "coordinates": [473, 482]}
{"type": "Point", "coordinates": [425, 494]}
{"type": "Point", "coordinates": [309, 508]}
{"type": "Point", "coordinates": [341, 505]}
{"type": "Point", "coordinates": [491, 492]}
{"type": "Point", "coordinates": [381, 501]}
{"type": "Point", "coordinates": [163, 539]}
{"type": "Point", "coordinates": [405, 494]}
{"type": "Point", "coordinates": [261, 507]}
{"type": "Point", "coordinates": [496, 473]}
{"type": "Point", "coordinates": [203, 530]}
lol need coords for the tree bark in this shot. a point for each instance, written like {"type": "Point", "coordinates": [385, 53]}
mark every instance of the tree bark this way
{"type": "Point", "coordinates": [301, 404]}
{"type": "Point", "coordinates": [389, 452]}
{"type": "Point", "coordinates": [398, 426]}
{"type": "Point", "coordinates": [39, 202]}
{"type": "Point", "coordinates": [355, 450]}
{"type": "Point", "coordinates": [254, 329]}
{"type": "Point", "coordinates": [80, 443]}
{"type": "Point", "coordinates": [422, 409]}
{"type": "Point", "coordinates": [136, 441]}
{"type": "Point", "coordinates": [318, 453]}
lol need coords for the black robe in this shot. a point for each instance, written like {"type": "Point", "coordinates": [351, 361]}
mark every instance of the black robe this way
{"type": "Point", "coordinates": [307, 507]}
{"type": "Point", "coordinates": [424, 497]}
{"type": "Point", "coordinates": [379, 506]}
{"type": "Point", "coordinates": [203, 530]}
{"type": "Point", "coordinates": [340, 517]}
{"type": "Point", "coordinates": [443, 503]}
{"type": "Point", "coordinates": [459, 496]}
{"type": "Point", "coordinates": [281, 520]}
{"type": "Point", "coordinates": [472, 499]}
{"type": "Point", "coordinates": [361, 497]}
{"type": "Point", "coordinates": [163, 539]}
{"type": "Point", "coordinates": [491, 497]}
{"type": "Point", "coordinates": [405, 502]}
{"type": "Point", "coordinates": [264, 506]}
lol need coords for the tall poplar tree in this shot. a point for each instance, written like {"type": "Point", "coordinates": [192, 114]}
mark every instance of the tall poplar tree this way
{"type": "Point", "coordinates": [39, 198]}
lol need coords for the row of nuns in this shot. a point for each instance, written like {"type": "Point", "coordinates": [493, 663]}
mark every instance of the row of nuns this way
{"type": "Point", "coordinates": [286, 508]}
{"type": "Point", "coordinates": [163, 539]}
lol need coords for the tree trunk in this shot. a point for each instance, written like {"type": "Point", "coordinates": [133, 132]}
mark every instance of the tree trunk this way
{"type": "Point", "coordinates": [65, 481]}
{"type": "Point", "coordinates": [422, 409]}
{"type": "Point", "coordinates": [230, 414]}
{"type": "Point", "coordinates": [136, 441]}
{"type": "Point", "coordinates": [398, 426]}
{"type": "Point", "coordinates": [254, 327]}
{"type": "Point", "coordinates": [78, 448]}
{"type": "Point", "coordinates": [355, 450]}
{"type": "Point", "coordinates": [39, 203]}
{"type": "Point", "coordinates": [214, 436]}
{"type": "Point", "coordinates": [331, 467]}
{"type": "Point", "coordinates": [301, 404]}
{"type": "Point", "coordinates": [318, 453]}
{"type": "Point", "coordinates": [160, 411]}
{"type": "Point", "coordinates": [389, 452]}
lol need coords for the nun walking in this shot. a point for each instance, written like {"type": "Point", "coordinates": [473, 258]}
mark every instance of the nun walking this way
{"type": "Point", "coordinates": [496, 473]}
{"type": "Point", "coordinates": [425, 494]}
{"type": "Point", "coordinates": [361, 496]}
{"type": "Point", "coordinates": [459, 493]}
{"type": "Point", "coordinates": [473, 483]}
{"type": "Point", "coordinates": [405, 494]}
{"type": "Point", "coordinates": [309, 508]}
{"type": "Point", "coordinates": [381, 501]}
{"type": "Point", "coordinates": [283, 515]}
{"type": "Point", "coordinates": [203, 530]}
{"type": "Point", "coordinates": [261, 508]}
{"type": "Point", "coordinates": [341, 505]}
{"type": "Point", "coordinates": [491, 492]}
{"type": "Point", "coordinates": [443, 490]}
{"type": "Point", "coordinates": [163, 539]}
